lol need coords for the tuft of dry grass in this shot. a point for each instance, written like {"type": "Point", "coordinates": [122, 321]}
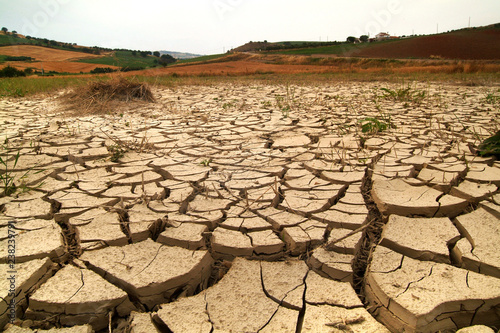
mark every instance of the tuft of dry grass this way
{"type": "Point", "coordinates": [101, 96]}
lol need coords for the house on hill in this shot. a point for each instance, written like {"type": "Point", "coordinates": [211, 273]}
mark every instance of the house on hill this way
{"type": "Point", "coordinates": [382, 36]}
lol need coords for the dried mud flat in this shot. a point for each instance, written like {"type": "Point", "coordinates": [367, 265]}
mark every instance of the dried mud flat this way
{"type": "Point", "coordinates": [255, 209]}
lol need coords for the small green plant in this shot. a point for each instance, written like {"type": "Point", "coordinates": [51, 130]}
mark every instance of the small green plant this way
{"type": "Point", "coordinates": [227, 105]}
{"type": "Point", "coordinates": [116, 152]}
{"type": "Point", "coordinates": [8, 175]}
{"type": "Point", "coordinates": [490, 146]}
{"type": "Point", "coordinates": [492, 98]}
{"type": "Point", "coordinates": [206, 162]}
{"type": "Point", "coordinates": [405, 94]}
{"type": "Point", "coordinates": [266, 104]}
{"type": "Point", "coordinates": [373, 125]}
{"type": "Point", "coordinates": [279, 101]}
{"type": "Point", "coordinates": [285, 111]}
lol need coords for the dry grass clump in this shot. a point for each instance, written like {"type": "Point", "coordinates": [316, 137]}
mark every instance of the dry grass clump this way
{"type": "Point", "coordinates": [101, 96]}
{"type": "Point", "coordinates": [120, 89]}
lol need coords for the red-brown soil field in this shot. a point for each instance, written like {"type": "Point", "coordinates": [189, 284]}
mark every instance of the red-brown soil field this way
{"type": "Point", "coordinates": [480, 44]}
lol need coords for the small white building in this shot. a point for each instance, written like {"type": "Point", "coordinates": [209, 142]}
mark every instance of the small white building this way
{"type": "Point", "coordinates": [382, 36]}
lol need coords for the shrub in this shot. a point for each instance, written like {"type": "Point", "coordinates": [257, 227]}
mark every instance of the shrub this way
{"type": "Point", "coordinates": [166, 59]}
{"type": "Point", "coordinates": [132, 68]}
{"type": "Point", "coordinates": [11, 72]}
{"type": "Point", "coordinates": [102, 70]}
{"type": "Point", "coordinates": [21, 58]}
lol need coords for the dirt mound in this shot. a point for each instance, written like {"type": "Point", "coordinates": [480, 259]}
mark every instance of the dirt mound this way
{"type": "Point", "coordinates": [252, 46]}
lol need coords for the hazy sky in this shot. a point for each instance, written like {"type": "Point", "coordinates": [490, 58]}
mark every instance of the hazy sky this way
{"type": "Point", "coordinates": [214, 26]}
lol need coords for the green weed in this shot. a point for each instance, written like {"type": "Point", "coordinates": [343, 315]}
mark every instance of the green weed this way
{"type": "Point", "coordinates": [492, 98]}
{"type": "Point", "coordinates": [490, 146]}
{"type": "Point", "coordinates": [266, 104]}
{"type": "Point", "coordinates": [116, 152]}
{"type": "Point", "coordinates": [8, 179]}
{"type": "Point", "coordinates": [404, 94]}
{"type": "Point", "coordinates": [373, 125]}
{"type": "Point", "coordinates": [206, 162]}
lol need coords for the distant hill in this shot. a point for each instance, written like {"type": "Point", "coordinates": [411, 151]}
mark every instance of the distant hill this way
{"type": "Point", "coordinates": [288, 45]}
{"type": "Point", "coordinates": [181, 55]}
{"type": "Point", "coordinates": [467, 44]}
{"type": "Point", "coordinates": [482, 43]}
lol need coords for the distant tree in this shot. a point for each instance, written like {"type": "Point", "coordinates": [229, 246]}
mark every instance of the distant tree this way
{"type": "Point", "coordinates": [28, 71]}
{"type": "Point", "coordinates": [14, 32]}
{"type": "Point", "coordinates": [28, 37]}
{"type": "Point", "coordinates": [166, 59]}
{"type": "Point", "coordinates": [156, 54]}
{"type": "Point", "coordinates": [101, 70]}
{"type": "Point", "coordinates": [11, 72]}
{"type": "Point", "coordinates": [351, 39]}
{"type": "Point", "coordinates": [364, 38]}
{"type": "Point", "coordinates": [4, 29]}
{"type": "Point", "coordinates": [134, 53]}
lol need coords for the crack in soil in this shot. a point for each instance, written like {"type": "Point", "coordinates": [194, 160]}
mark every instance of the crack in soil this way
{"type": "Point", "coordinates": [371, 235]}
{"type": "Point", "coordinates": [302, 312]}
{"type": "Point", "coordinates": [80, 288]}
{"type": "Point", "coordinates": [154, 258]}
{"type": "Point", "coordinates": [208, 314]}
{"type": "Point", "coordinates": [71, 239]}
{"type": "Point", "coordinates": [274, 299]}
{"type": "Point", "coordinates": [416, 281]}
{"type": "Point", "coordinates": [476, 312]}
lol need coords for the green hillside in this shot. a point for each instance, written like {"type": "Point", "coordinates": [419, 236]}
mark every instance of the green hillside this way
{"type": "Point", "coordinates": [125, 59]}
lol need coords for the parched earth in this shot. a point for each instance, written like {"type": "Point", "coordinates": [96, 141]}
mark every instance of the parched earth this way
{"type": "Point", "coordinates": [254, 208]}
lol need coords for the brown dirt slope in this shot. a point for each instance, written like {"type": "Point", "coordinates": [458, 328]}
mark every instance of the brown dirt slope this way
{"type": "Point", "coordinates": [472, 44]}
{"type": "Point", "coordinates": [50, 59]}
{"type": "Point", "coordinates": [40, 53]}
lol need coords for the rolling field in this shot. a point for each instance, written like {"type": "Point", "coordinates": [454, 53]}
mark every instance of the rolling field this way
{"type": "Point", "coordinates": [63, 61]}
{"type": "Point", "coordinates": [122, 59]}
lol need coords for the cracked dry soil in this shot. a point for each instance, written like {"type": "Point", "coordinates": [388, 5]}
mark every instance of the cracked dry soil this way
{"type": "Point", "coordinates": [249, 208]}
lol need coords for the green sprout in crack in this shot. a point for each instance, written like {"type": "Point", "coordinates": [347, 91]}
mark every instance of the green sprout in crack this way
{"type": "Point", "coordinates": [373, 125]}
{"type": "Point", "coordinates": [405, 94]}
{"type": "Point", "coordinates": [116, 152]}
{"type": "Point", "coordinates": [206, 162]}
{"type": "Point", "coordinates": [490, 146]}
{"type": "Point", "coordinates": [8, 176]}
{"type": "Point", "coordinates": [266, 104]}
{"type": "Point", "coordinates": [492, 98]}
